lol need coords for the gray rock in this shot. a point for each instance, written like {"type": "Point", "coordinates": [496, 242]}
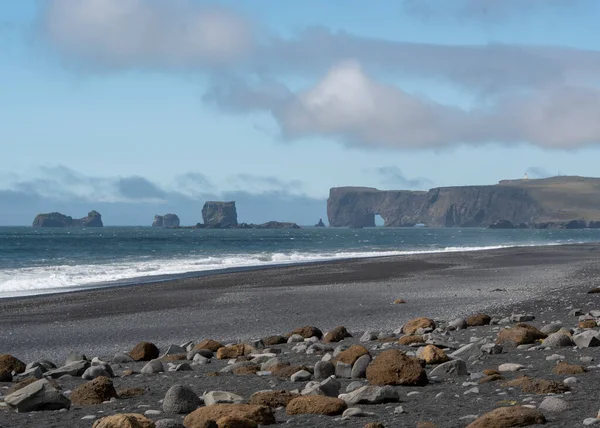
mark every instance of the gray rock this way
{"type": "Point", "coordinates": [295, 338]}
{"type": "Point", "coordinates": [371, 394]}
{"type": "Point", "coordinates": [180, 399]}
{"type": "Point", "coordinates": [97, 371]}
{"type": "Point", "coordinates": [474, 390]}
{"type": "Point", "coordinates": [154, 366]}
{"type": "Point", "coordinates": [398, 410]}
{"type": "Point", "coordinates": [469, 352]}
{"type": "Point", "coordinates": [183, 367]}
{"type": "Point", "coordinates": [450, 369]}
{"type": "Point", "coordinates": [330, 387]}
{"type": "Point", "coordinates": [268, 364]}
{"type": "Point", "coordinates": [339, 349]}
{"type": "Point", "coordinates": [324, 369]}
{"type": "Point", "coordinates": [570, 381]}
{"type": "Point", "coordinates": [200, 359]}
{"type": "Point", "coordinates": [575, 312]}
{"type": "Point", "coordinates": [74, 357]}
{"type": "Point", "coordinates": [152, 412]}
{"type": "Point", "coordinates": [553, 405]}
{"type": "Point", "coordinates": [35, 372]}
{"type": "Point", "coordinates": [301, 376]}
{"type": "Point", "coordinates": [44, 365]}
{"type": "Point", "coordinates": [256, 343]}
{"type": "Point", "coordinates": [40, 395]}
{"type": "Point", "coordinates": [206, 353]}
{"type": "Point", "coordinates": [353, 412]}
{"type": "Point", "coordinates": [300, 348]}
{"type": "Point", "coordinates": [168, 423]}
{"type": "Point", "coordinates": [458, 324]}
{"type": "Point", "coordinates": [352, 386]}
{"type": "Point", "coordinates": [521, 318]}
{"type": "Point", "coordinates": [551, 328]}
{"type": "Point", "coordinates": [319, 348]}
{"type": "Point", "coordinates": [491, 348]}
{"type": "Point", "coordinates": [557, 340]}
{"type": "Point", "coordinates": [591, 421]}
{"type": "Point", "coordinates": [587, 339]}
{"type": "Point", "coordinates": [343, 370]}
{"type": "Point", "coordinates": [221, 397]}
{"type": "Point", "coordinates": [359, 369]}
{"type": "Point", "coordinates": [75, 369]}
{"type": "Point", "coordinates": [122, 358]}
{"type": "Point", "coordinates": [175, 350]}
{"type": "Point", "coordinates": [368, 336]}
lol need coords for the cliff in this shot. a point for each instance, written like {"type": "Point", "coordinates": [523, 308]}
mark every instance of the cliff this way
{"type": "Point", "coordinates": [219, 214]}
{"type": "Point", "coordinates": [167, 220]}
{"type": "Point", "coordinates": [93, 219]}
{"type": "Point", "coordinates": [557, 202]}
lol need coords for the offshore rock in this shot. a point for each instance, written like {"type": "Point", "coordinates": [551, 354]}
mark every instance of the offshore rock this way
{"type": "Point", "coordinates": [320, 223]}
{"type": "Point", "coordinates": [167, 220]}
{"type": "Point", "coordinates": [219, 214]}
{"type": "Point", "coordinates": [54, 219]}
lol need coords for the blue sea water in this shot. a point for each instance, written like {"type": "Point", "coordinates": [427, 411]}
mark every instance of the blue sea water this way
{"type": "Point", "coordinates": [38, 261]}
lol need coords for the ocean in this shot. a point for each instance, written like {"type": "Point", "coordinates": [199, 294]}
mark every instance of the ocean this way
{"type": "Point", "coordinates": [39, 261]}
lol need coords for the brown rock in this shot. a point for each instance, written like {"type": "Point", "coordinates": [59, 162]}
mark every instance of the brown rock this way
{"type": "Point", "coordinates": [286, 370]}
{"type": "Point", "coordinates": [426, 424]}
{"type": "Point", "coordinates": [478, 320]}
{"type": "Point", "coordinates": [96, 391]}
{"type": "Point", "coordinates": [233, 422]}
{"type": "Point", "coordinates": [392, 367]}
{"type": "Point", "coordinates": [6, 376]}
{"type": "Point", "coordinates": [505, 417]}
{"type": "Point", "coordinates": [9, 364]}
{"type": "Point", "coordinates": [374, 425]}
{"type": "Point", "coordinates": [246, 370]}
{"type": "Point", "coordinates": [20, 385]}
{"type": "Point", "coordinates": [491, 378]}
{"type": "Point", "coordinates": [490, 372]}
{"type": "Point", "coordinates": [174, 357]}
{"type": "Point", "coordinates": [399, 301]}
{"type": "Point", "coordinates": [307, 331]}
{"type": "Point", "coordinates": [336, 335]}
{"type": "Point", "coordinates": [127, 373]}
{"type": "Point", "coordinates": [124, 420]}
{"type": "Point", "coordinates": [417, 323]}
{"type": "Point", "coordinates": [144, 351]}
{"type": "Point", "coordinates": [273, 399]}
{"type": "Point", "coordinates": [211, 345]}
{"type": "Point", "coordinates": [316, 405]}
{"type": "Point", "coordinates": [520, 334]}
{"type": "Point", "coordinates": [530, 385]}
{"type": "Point", "coordinates": [409, 339]}
{"type": "Point", "coordinates": [274, 340]}
{"type": "Point", "coordinates": [234, 351]}
{"type": "Point", "coordinates": [353, 353]}
{"type": "Point", "coordinates": [259, 414]}
{"type": "Point", "coordinates": [431, 354]}
{"type": "Point", "coordinates": [565, 369]}
{"type": "Point", "coordinates": [130, 392]}
{"type": "Point", "coordinates": [594, 291]}
{"type": "Point", "coordinates": [587, 324]}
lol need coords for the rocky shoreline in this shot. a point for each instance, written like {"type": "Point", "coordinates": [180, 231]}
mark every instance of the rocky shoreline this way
{"type": "Point", "coordinates": [529, 361]}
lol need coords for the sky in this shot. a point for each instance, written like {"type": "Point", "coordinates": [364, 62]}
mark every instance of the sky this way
{"type": "Point", "coordinates": [143, 107]}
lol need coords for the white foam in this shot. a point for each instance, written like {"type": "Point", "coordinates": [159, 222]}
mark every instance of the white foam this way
{"type": "Point", "coordinates": [61, 278]}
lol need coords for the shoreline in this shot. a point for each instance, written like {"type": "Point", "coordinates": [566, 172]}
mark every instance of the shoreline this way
{"type": "Point", "coordinates": [162, 278]}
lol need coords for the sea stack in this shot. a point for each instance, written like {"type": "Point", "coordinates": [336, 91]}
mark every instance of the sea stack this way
{"type": "Point", "coordinates": [219, 215]}
{"type": "Point", "coordinates": [167, 220]}
{"type": "Point", "coordinates": [55, 219]}
{"type": "Point", "coordinates": [320, 223]}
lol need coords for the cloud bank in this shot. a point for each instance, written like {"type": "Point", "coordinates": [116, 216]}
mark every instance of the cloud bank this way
{"type": "Point", "coordinates": [542, 95]}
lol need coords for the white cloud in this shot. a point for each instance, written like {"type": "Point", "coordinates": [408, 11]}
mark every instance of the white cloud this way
{"type": "Point", "coordinates": [148, 33]}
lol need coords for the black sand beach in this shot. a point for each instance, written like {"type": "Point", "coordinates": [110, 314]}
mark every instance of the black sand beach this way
{"type": "Point", "coordinates": [358, 294]}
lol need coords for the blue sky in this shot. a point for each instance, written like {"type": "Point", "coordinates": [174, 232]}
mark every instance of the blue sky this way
{"type": "Point", "coordinates": [141, 107]}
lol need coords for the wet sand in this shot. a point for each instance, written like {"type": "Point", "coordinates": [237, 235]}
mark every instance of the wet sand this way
{"type": "Point", "coordinates": [255, 303]}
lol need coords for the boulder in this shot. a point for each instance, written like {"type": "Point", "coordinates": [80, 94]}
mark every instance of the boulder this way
{"type": "Point", "coordinates": [124, 420]}
{"type": "Point", "coordinates": [431, 354]}
{"type": "Point", "coordinates": [316, 405]}
{"type": "Point", "coordinates": [39, 395]}
{"type": "Point", "coordinates": [359, 368]}
{"type": "Point", "coordinates": [167, 220]}
{"type": "Point", "coordinates": [273, 399]}
{"type": "Point", "coordinates": [409, 339]}
{"type": "Point", "coordinates": [307, 332]}
{"type": "Point", "coordinates": [75, 369]}
{"type": "Point", "coordinates": [219, 214]}
{"type": "Point", "coordinates": [97, 371]}
{"type": "Point", "coordinates": [235, 422]}
{"type": "Point", "coordinates": [587, 339]}
{"type": "Point", "coordinates": [566, 369]}
{"type": "Point", "coordinates": [417, 323]}
{"type": "Point", "coordinates": [478, 320]}
{"type": "Point", "coordinates": [154, 366]}
{"type": "Point", "coordinates": [520, 334]}
{"type": "Point", "coordinates": [259, 414]}
{"type": "Point", "coordinates": [180, 399]}
{"type": "Point", "coordinates": [274, 340]}
{"type": "Point", "coordinates": [450, 369]}
{"type": "Point", "coordinates": [370, 394]}
{"type": "Point", "coordinates": [324, 369]}
{"type": "Point", "coordinates": [96, 391]}
{"type": "Point", "coordinates": [211, 345]}
{"type": "Point", "coordinates": [505, 417]}
{"type": "Point", "coordinates": [144, 351]}
{"type": "Point", "coordinates": [392, 367]}
{"type": "Point", "coordinates": [172, 423]}
{"type": "Point", "coordinates": [234, 351]}
{"type": "Point", "coordinates": [553, 405]}
{"type": "Point", "coordinates": [284, 370]}
{"type": "Point", "coordinates": [9, 364]}
{"type": "Point", "coordinates": [221, 397]}
{"type": "Point", "coordinates": [531, 385]}
{"type": "Point", "coordinates": [353, 353]}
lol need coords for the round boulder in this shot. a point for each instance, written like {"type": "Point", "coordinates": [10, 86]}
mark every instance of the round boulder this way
{"type": "Point", "coordinates": [94, 392]}
{"type": "Point", "coordinates": [144, 351]}
{"type": "Point", "coordinates": [478, 320]}
{"type": "Point", "coordinates": [211, 345]}
{"type": "Point", "coordinates": [336, 335]}
{"type": "Point", "coordinates": [520, 334]}
{"type": "Point", "coordinates": [392, 367]}
{"type": "Point", "coordinates": [504, 417]}
{"type": "Point", "coordinates": [306, 332]}
{"type": "Point", "coordinates": [417, 323]}
{"type": "Point", "coordinates": [125, 420]}
{"type": "Point", "coordinates": [259, 414]}
{"type": "Point", "coordinates": [353, 353]}
{"type": "Point", "coordinates": [180, 399]}
{"type": "Point", "coordinates": [316, 405]}
{"type": "Point", "coordinates": [272, 399]}
{"type": "Point", "coordinates": [9, 364]}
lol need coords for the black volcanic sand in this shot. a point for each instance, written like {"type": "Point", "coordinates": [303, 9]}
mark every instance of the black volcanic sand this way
{"type": "Point", "coordinates": [543, 281]}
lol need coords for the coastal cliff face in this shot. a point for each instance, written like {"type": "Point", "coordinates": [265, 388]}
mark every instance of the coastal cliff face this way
{"type": "Point", "coordinates": [557, 202]}
{"type": "Point", "coordinates": [93, 219]}
{"type": "Point", "coordinates": [219, 214]}
{"type": "Point", "coordinates": [167, 220]}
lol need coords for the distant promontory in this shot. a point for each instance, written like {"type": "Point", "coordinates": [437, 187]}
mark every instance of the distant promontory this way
{"type": "Point", "coordinates": [552, 203]}
{"type": "Point", "coordinates": [55, 219]}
